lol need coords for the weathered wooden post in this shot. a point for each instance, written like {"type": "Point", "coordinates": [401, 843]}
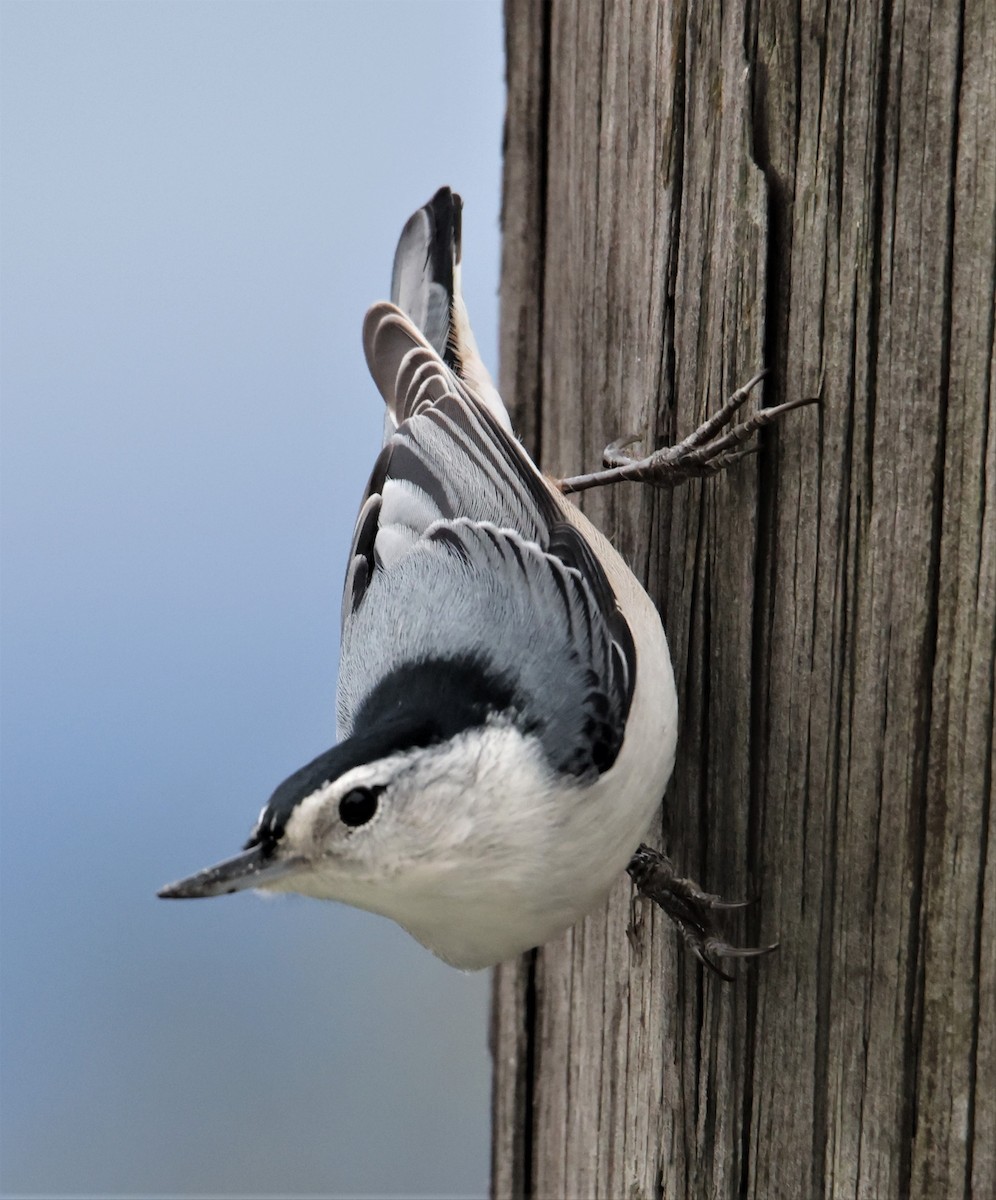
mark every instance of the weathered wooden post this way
{"type": "Point", "coordinates": [692, 190]}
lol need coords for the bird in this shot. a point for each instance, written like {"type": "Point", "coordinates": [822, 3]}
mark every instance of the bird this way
{"type": "Point", "coordinates": [506, 711]}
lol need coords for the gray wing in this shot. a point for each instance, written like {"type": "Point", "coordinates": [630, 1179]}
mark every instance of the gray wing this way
{"type": "Point", "coordinates": [469, 592]}
{"type": "Point", "coordinates": [462, 553]}
{"type": "Point", "coordinates": [449, 457]}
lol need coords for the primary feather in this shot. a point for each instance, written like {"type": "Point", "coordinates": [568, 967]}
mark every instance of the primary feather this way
{"type": "Point", "coordinates": [463, 545]}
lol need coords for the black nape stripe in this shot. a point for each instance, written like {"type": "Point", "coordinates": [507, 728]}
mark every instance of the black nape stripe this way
{"type": "Point", "coordinates": [419, 704]}
{"type": "Point", "coordinates": [441, 696]}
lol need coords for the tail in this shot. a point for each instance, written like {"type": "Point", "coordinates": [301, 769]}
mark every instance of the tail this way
{"type": "Point", "coordinates": [427, 270]}
{"type": "Point", "coordinates": [425, 285]}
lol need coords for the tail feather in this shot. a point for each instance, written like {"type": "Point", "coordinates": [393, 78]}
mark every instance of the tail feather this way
{"type": "Point", "coordinates": [425, 285]}
{"type": "Point", "coordinates": [427, 257]}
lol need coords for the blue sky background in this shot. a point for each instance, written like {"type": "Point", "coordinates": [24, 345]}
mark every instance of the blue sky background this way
{"type": "Point", "coordinates": [198, 203]}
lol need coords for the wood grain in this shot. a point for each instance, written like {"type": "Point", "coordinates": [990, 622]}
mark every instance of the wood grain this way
{"type": "Point", "coordinates": [692, 190]}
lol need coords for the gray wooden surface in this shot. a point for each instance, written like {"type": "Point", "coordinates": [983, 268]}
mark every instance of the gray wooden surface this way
{"type": "Point", "coordinates": [692, 190]}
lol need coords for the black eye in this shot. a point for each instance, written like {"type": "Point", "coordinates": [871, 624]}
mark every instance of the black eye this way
{"type": "Point", "coordinates": [358, 806]}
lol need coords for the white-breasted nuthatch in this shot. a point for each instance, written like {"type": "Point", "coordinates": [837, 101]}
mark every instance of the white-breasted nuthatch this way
{"type": "Point", "coordinates": [507, 714]}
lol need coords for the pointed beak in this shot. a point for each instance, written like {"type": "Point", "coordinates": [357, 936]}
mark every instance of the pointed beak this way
{"type": "Point", "coordinates": [251, 869]}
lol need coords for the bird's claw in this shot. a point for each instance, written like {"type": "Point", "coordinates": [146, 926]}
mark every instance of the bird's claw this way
{"type": "Point", "coordinates": [706, 451]}
{"type": "Point", "coordinates": [613, 454]}
{"type": "Point", "coordinates": [691, 908]}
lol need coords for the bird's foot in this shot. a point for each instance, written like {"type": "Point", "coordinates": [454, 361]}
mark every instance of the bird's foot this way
{"type": "Point", "coordinates": [690, 908]}
{"type": "Point", "coordinates": [706, 451]}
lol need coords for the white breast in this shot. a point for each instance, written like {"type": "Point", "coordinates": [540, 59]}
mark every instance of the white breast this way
{"type": "Point", "coordinates": [573, 845]}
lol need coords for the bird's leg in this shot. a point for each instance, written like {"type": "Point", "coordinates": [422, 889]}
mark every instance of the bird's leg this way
{"type": "Point", "coordinates": [691, 909]}
{"type": "Point", "coordinates": [706, 451]}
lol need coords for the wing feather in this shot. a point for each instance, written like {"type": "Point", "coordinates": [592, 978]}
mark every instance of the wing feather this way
{"type": "Point", "coordinates": [462, 551]}
{"type": "Point", "coordinates": [488, 595]}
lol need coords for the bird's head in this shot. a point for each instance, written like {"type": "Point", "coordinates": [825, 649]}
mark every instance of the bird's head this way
{"type": "Point", "coordinates": [360, 815]}
{"type": "Point", "coordinates": [402, 818]}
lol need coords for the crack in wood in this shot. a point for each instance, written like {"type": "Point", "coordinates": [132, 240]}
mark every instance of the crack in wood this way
{"type": "Point", "coordinates": [830, 606]}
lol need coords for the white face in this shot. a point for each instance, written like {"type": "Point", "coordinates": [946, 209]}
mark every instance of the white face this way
{"type": "Point", "coordinates": [419, 824]}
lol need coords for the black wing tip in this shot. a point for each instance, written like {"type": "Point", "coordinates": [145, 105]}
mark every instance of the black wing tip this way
{"type": "Point", "coordinates": [444, 195]}
{"type": "Point", "coordinates": [446, 212]}
{"type": "Point", "coordinates": [426, 259]}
